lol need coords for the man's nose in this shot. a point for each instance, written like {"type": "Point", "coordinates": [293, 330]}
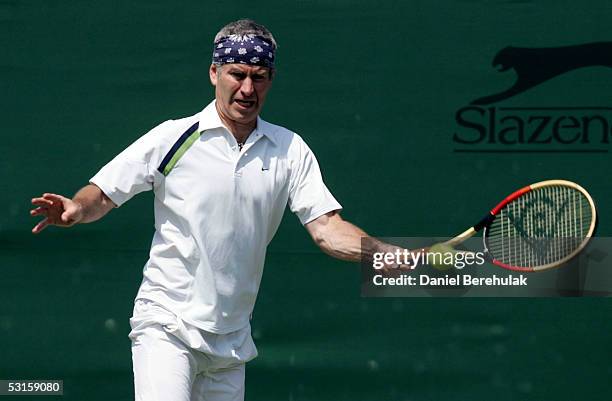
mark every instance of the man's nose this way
{"type": "Point", "coordinates": [247, 87]}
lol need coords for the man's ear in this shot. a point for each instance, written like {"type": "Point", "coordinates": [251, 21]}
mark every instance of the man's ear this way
{"type": "Point", "coordinates": [212, 73]}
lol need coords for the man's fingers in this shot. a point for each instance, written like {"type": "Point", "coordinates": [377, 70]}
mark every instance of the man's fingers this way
{"type": "Point", "coordinates": [53, 197]}
{"type": "Point", "coordinates": [38, 211]}
{"type": "Point", "coordinates": [40, 226]}
{"type": "Point", "coordinates": [406, 268]}
{"type": "Point", "coordinates": [41, 202]}
{"type": "Point", "coordinates": [53, 208]}
{"type": "Point", "coordinates": [48, 199]}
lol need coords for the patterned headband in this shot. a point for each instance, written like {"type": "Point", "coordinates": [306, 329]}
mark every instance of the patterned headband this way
{"type": "Point", "coordinates": [244, 49]}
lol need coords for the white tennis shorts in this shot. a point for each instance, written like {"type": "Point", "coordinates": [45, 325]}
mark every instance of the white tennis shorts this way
{"type": "Point", "coordinates": [174, 361]}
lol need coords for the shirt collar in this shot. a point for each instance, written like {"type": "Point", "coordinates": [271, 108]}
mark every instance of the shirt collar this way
{"type": "Point", "coordinates": [209, 119]}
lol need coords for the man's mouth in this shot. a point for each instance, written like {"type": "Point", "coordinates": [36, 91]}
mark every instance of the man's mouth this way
{"type": "Point", "coordinates": [245, 103]}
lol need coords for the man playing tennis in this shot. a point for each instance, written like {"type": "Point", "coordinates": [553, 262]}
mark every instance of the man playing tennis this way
{"type": "Point", "coordinates": [221, 179]}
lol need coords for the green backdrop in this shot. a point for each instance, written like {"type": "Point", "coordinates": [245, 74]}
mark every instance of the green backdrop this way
{"type": "Point", "coordinates": [374, 88]}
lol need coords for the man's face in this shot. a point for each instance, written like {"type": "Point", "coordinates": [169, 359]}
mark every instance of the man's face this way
{"type": "Point", "coordinates": [240, 91]}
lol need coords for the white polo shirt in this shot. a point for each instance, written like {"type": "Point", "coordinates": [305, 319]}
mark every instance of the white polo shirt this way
{"type": "Point", "coordinates": [216, 210]}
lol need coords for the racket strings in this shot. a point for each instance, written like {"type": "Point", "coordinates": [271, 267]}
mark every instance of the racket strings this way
{"type": "Point", "coordinates": [543, 226]}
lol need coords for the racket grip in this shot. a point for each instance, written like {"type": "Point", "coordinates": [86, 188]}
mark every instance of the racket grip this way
{"type": "Point", "coordinates": [461, 237]}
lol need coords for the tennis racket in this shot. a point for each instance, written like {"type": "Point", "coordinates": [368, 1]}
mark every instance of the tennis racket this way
{"type": "Point", "coordinates": [538, 227]}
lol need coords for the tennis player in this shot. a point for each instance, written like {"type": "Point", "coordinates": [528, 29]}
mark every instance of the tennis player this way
{"type": "Point", "coordinates": [222, 179]}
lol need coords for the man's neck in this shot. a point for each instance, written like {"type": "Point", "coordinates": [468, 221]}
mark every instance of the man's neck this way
{"type": "Point", "coordinates": [240, 131]}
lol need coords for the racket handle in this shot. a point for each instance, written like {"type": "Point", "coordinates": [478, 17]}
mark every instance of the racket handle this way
{"type": "Point", "coordinates": [461, 237]}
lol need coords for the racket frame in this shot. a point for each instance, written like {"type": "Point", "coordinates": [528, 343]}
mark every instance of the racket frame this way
{"type": "Point", "coordinates": [486, 221]}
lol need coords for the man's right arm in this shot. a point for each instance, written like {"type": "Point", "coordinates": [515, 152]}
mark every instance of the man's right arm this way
{"type": "Point", "coordinates": [89, 204]}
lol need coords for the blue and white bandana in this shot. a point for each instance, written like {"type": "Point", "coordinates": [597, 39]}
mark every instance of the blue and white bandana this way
{"type": "Point", "coordinates": [244, 49]}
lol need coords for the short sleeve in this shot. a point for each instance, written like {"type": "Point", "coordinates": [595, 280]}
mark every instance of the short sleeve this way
{"type": "Point", "coordinates": [309, 198]}
{"type": "Point", "coordinates": [133, 170]}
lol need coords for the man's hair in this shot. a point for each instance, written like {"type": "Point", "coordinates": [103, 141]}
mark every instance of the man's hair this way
{"type": "Point", "coordinates": [246, 27]}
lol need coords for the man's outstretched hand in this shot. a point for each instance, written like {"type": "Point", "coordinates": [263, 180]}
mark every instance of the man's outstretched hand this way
{"type": "Point", "coordinates": [58, 211]}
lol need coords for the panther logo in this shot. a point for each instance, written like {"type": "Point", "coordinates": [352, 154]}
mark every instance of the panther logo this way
{"type": "Point", "coordinates": [534, 66]}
